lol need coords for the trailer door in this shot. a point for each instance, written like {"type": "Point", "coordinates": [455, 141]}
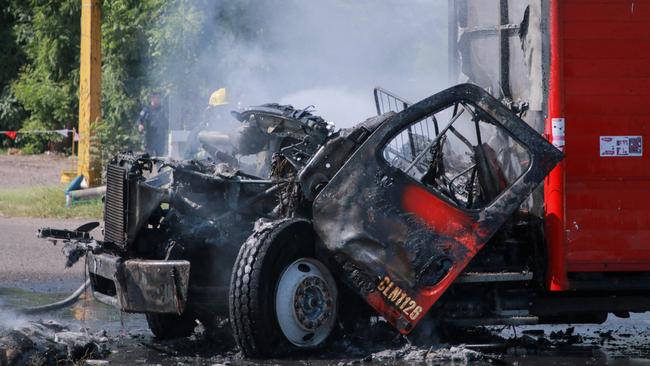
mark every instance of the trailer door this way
{"type": "Point", "coordinates": [606, 78]}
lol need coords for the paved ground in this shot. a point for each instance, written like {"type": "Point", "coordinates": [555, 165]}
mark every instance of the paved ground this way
{"type": "Point", "coordinates": [26, 261]}
{"type": "Point", "coordinates": [32, 273]}
{"type": "Point", "coordinates": [32, 263]}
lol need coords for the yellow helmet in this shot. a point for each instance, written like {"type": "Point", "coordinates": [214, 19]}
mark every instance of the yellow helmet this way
{"type": "Point", "coordinates": [218, 97]}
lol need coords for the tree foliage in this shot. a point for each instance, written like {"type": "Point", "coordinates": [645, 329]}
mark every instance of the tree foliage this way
{"type": "Point", "coordinates": [125, 64]}
{"type": "Point", "coordinates": [183, 45]}
{"type": "Point", "coordinates": [47, 84]}
{"type": "Point", "coordinates": [147, 45]}
{"type": "Point", "coordinates": [12, 57]}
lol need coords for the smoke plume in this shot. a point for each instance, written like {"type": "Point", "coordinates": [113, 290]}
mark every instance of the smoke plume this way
{"type": "Point", "coordinates": [329, 54]}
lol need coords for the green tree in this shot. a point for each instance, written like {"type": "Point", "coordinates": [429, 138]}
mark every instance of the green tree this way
{"type": "Point", "coordinates": [147, 45]}
{"type": "Point", "coordinates": [12, 58]}
{"type": "Point", "coordinates": [48, 83]}
{"type": "Point", "coordinates": [124, 64]}
{"type": "Point", "coordinates": [183, 44]}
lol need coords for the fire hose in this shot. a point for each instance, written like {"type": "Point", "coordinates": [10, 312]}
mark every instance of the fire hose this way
{"type": "Point", "coordinates": [59, 304]}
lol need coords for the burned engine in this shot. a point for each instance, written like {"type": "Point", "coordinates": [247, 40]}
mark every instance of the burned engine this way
{"type": "Point", "coordinates": [195, 211]}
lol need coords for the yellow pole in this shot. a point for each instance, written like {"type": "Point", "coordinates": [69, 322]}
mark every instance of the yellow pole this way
{"type": "Point", "coordinates": [90, 84]}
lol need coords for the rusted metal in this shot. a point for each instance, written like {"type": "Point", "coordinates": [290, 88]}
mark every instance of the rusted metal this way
{"type": "Point", "coordinates": [160, 215]}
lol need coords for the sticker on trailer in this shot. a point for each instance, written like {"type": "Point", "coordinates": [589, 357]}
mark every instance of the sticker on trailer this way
{"type": "Point", "coordinates": [621, 146]}
{"type": "Point", "coordinates": [557, 132]}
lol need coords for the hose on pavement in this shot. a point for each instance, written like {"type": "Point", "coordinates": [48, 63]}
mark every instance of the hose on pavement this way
{"type": "Point", "coordinates": [59, 304]}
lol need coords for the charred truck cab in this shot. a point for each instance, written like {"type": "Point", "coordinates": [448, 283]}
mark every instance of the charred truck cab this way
{"type": "Point", "coordinates": [169, 231]}
{"type": "Point", "coordinates": [436, 212]}
{"type": "Point", "coordinates": [396, 215]}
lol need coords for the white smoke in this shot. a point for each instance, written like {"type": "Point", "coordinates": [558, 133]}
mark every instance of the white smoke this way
{"type": "Point", "coordinates": [329, 54]}
{"type": "Point", "coordinates": [9, 319]}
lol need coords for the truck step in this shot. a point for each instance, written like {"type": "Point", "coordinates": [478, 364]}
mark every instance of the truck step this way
{"type": "Point", "coordinates": [477, 277]}
{"type": "Point", "coordinates": [513, 313]}
{"type": "Point", "coordinates": [515, 320]}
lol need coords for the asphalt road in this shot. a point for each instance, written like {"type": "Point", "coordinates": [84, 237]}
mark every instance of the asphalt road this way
{"type": "Point", "coordinates": [27, 262]}
{"type": "Point", "coordinates": [31, 263]}
{"type": "Point", "coordinates": [32, 268]}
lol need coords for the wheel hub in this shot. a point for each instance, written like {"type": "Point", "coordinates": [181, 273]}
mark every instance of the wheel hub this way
{"type": "Point", "coordinates": [312, 303]}
{"type": "Point", "coordinates": [305, 302]}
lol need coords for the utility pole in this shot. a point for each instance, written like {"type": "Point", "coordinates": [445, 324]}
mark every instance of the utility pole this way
{"type": "Point", "coordinates": [90, 85]}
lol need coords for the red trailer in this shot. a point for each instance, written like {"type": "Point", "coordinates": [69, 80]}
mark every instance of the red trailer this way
{"type": "Point", "coordinates": [588, 60]}
{"type": "Point", "coordinates": [598, 85]}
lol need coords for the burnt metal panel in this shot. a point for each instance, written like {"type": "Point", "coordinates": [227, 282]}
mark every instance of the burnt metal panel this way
{"type": "Point", "coordinates": [397, 243]}
{"type": "Point", "coordinates": [152, 286]}
{"type": "Point", "coordinates": [130, 197]}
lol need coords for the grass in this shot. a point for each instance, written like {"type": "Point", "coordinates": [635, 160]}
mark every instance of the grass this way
{"type": "Point", "coordinates": [45, 202]}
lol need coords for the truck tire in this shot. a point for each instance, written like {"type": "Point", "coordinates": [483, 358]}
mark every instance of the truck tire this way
{"type": "Point", "coordinates": [170, 326]}
{"type": "Point", "coordinates": [282, 299]}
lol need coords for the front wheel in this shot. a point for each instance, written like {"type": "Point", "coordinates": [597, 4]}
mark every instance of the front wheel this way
{"type": "Point", "coordinates": [282, 299]}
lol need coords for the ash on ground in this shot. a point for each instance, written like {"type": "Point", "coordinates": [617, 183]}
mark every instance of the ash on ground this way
{"type": "Point", "coordinates": [47, 342]}
{"type": "Point", "coordinates": [38, 342]}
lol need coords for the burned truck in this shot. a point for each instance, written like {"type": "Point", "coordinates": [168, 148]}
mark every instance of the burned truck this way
{"type": "Point", "coordinates": [399, 209]}
{"type": "Point", "coordinates": [393, 211]}
{"type": "Point", "coordinates": [172, 229]}
{"type": "Point", "coordinates": [432, 215]}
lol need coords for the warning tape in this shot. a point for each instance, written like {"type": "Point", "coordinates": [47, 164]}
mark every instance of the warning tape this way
{"type": "Point", "coordinates": [63, 132]}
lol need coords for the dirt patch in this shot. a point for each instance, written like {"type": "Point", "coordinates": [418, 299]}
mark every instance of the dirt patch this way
{"type": "Point", "coordinates": [33, 170]}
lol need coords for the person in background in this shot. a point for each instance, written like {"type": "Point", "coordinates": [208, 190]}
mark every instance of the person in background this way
{"type": "Point", "coordinates": [154, 124]}
{"type": "Point", "coordinates": [217, 122]}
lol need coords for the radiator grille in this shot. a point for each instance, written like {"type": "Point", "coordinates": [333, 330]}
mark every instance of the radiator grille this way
{"type": "Point", "coordinates": [115, 206]}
